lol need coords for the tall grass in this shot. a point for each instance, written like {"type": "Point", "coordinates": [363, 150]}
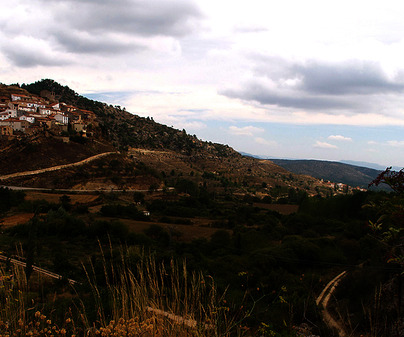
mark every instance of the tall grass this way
{"type": "Point", "coordinates": [146, 298]}
{"type": "Point", "coordinates": [12, 300]}
{"type": "Point", "coordinates": [176, 301]}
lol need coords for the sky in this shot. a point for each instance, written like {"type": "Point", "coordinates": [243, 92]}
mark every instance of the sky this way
{"type": "Point", "coordinates": [281, 79]}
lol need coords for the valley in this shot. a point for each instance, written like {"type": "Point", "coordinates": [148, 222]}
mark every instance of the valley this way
{"type": "Point", "coordinates": [134, 200]}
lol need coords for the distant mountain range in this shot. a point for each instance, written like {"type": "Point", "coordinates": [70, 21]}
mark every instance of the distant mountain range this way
{"type": "Point", "coordinates": [333, 171]}
{"type": "Point", "coordinates": [369, 165]}
{"type": "Point", "coordinates": [353, 173]}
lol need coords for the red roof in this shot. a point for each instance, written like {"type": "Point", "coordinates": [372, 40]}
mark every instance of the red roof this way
{"type": "Point", "coordinates": [20, 95]}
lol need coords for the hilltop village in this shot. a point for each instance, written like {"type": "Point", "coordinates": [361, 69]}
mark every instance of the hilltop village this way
{"type": "Point", "coordinates": [29, 114]}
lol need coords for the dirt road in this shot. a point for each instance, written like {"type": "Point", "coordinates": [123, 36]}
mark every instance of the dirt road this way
{"type": "Point", "coordinates": [323, 299]}
{"type": "Point", "coordinates": [54, 168]}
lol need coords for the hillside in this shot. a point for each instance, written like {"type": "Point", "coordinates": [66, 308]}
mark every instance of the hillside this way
{"type": "Point", "coordinates": [128, 130]}
{"type": "Point", "coordinates": [150, 154]}
{"type": "Point", "coordinates": [332, 171]}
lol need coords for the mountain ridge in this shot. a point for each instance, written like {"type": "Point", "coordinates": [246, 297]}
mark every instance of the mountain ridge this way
{"type": "Point", "coordinates": [331, 170]}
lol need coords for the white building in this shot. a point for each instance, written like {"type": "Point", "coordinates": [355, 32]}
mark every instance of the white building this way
{"type": "Point", "coordinates": [28, 118]}
{"type": "Point", "coordinates": [61, 118]}
{"type": "Point", "coordinates": [8, 113]}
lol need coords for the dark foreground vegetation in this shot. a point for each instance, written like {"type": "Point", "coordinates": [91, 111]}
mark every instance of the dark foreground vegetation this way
{"type": "Point", "coordinates": [267, 268]}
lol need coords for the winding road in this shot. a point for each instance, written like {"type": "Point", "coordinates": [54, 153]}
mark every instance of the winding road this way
{"type": "Point", "coordinates": [55, 168]}
{"type": "Point", "coordinates": [323, 299]}
{"type": "Point", "coordinates": [66, 190]}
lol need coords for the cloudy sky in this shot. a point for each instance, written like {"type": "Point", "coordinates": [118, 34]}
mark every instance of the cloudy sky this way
{"type": "Point", "coordinates": [284, 79]}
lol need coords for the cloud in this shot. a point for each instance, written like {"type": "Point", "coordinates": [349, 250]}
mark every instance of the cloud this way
{"type": "Point", "coordinates": [263, 141]}
{"type": "Point", "coordinates": [340, 138]}
{"type": "Point", "coordinates": [81, 42]}
{"type": "Point", "coordinates": [245, 131]}
{"type": "Point", "coordinates": [396, 143]}
{"type": "Point", "coordinates": [250, 29]}
{"type": "Point", "coordinates": [28, 52]}
{"type": "Point", "coordinates": [264, 94]}
{"type": "Point", "coordinates": [324, 145]}
{"type": "Point", "coordinates": [102, 28]}
{"type": "Point", "coordinates": [138, 17]}
{"type": "Point", "coordinates": [193, 125]}
{"type": "Point", "coordinates": [349, 77]}
{"type": "Point", "coordinates": [339, 88]}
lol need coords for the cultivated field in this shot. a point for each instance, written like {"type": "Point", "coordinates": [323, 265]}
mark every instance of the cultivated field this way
{"type": "Point", "coordinates": [54, 197]}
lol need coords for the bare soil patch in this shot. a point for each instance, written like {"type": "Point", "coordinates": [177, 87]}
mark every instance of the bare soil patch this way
{"type": "Point", "coordinates": [17, 219]}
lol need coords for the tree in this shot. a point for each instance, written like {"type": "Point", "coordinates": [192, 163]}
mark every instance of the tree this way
{"type": "Point", "coordinates": [389, 226]}
{"type": "Point", "coordinates": [138, 197]}
{"type": "Point", "coordinates": [65, 201]}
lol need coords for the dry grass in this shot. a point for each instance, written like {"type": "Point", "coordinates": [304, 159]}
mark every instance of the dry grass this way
{"type": "Point", "coordinates": [146, 299]}
{"type": "Point", "coordinates": [280, 208]}
{"type": "Point", "coordinates": [17, 219]}
{"type": "Point", "coordinates": [54, 198]}
{"type": "Point", "coordinates": [178, 302]}
{"type": "Point", "coordinates": [188, 232]}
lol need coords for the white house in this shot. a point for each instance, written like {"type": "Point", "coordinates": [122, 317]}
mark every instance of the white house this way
{"type": "Point", "coordinates": [55, 106]}
{"type": "Point", "coordinates": [8, 113]}
{"type": "Point", "coordinates": [15, 124]}
{"type": "Point", "coordinates": [35, 105]}
{"type": "Point", "coordinates": [61, 118]}
{"type": "Point", "coordinates": [4, 115]}
{"type": "Point", "coordinates": [28, 118]}
{"type": "Point", "coordinates": [16, 97]}
{"type": "Point", "coordinates": [45, 111]}
{"type": "Point", "coordinates": [66, 107]}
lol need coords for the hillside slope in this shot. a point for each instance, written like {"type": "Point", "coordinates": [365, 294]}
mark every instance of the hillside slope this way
{"type": "Point", "coordinates": [151, 154]}
{"type": "Point", "coordinates": [332, 171]}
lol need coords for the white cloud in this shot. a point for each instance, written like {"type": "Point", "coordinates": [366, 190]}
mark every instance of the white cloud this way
{"type": "Point", "coordinates": [372, 142]}
{"type": "Point", "coordinates": [396, 143]}
{"type": "Point", "coordinates": [324, 145]}
{"type": "Point", "coordinates": [340, 138]}
{"type": "Point", "coordinates": [264, 141]}
{"type": "Point", "coordinates": [194, 125]}
{"type": "Point", "coordinates": [245, 131]}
